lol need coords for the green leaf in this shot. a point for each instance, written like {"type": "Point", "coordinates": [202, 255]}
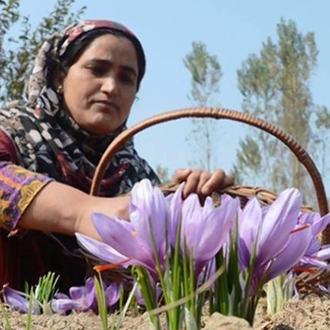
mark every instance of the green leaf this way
{"type": "Point", "coordinates": [127, 304]}
{"type": "Point", "coordinates": [189, 320]}
{"type": "Point", "coordinates": [101, 301]}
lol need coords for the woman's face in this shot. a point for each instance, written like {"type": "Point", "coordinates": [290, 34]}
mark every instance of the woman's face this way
{"type": "Point", "coordinates": [100, 87]}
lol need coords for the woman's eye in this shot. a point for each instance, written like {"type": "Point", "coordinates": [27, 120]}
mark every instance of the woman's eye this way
{"type": "Point", "coordinates": [126, 79]}
{"type": "Point", "coordinates": [97, 71]}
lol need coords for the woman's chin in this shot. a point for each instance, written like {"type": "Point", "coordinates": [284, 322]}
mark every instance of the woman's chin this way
{"type": "Point", "coordinates": [102, 128]}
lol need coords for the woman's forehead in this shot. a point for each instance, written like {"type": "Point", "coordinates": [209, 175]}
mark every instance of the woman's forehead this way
{"type": "Point", "coordinates": [110, 47]}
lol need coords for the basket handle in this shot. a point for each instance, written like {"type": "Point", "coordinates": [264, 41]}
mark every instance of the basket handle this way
{"type": "Point", "coordinates": [219, 113]}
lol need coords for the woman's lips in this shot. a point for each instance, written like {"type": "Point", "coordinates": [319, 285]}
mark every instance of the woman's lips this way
{"type": "Point", "coordinates": [108, 104]}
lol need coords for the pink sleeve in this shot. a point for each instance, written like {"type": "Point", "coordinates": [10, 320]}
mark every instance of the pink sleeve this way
{"type": "Point", "coordinates": [18, 186]}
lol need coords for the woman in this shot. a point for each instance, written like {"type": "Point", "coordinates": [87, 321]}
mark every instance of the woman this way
{"type": "Point", "coordinates": [83, 84]}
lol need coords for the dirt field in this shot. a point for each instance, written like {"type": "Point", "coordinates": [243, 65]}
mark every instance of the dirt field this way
{"type": "Point", "coordinates": [311, 313]}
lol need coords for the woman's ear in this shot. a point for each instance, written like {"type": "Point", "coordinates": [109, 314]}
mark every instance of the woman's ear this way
{"type": "Point", "coordinates": [58, 79]}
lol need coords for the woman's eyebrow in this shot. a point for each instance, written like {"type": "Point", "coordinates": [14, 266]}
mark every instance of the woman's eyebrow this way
{"type": "Point", "coordinates": [102, 61]}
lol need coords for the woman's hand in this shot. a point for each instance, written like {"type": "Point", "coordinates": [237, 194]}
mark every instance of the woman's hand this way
{"type": "Point", "coordinates": [111, 207]}
{"type": "Point", "coordinates": [203, 183]}
{"type": "Point", "coordinates": [59, 208]}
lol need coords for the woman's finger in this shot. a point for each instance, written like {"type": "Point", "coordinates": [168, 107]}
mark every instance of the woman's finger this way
{"type": "Point", "coordinates": [192, 182]}
{"type": "Point", "coordinates": [204, 178]}
{"type": "Point", "coordinates": [229, 180]}
{"type": "Point", "coordinates": [215, 182]}
{"type": "Point", "coordinates": [181, 175]}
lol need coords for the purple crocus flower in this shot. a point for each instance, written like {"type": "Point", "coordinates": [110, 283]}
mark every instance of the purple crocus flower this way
{"type": "Point", "coordinates": [83, 298]}
{"type": "Point", "coordinates": [292, 253]}
{"type": "Point", "coordinates": [275, 235]}
{"type": "Point", "coordinates": [112, 294]}
{"type": "Point", "coordinates": [204, 229]}
{"type": "Point", "coordinates": [80, 298]}
{"type": "Point", "coordinates": [316, 253]}
{"type": "Point", "coordinates": [62, 304]}
{"type": "Point", "coordinates": [102, 251]}
{"type": "Point", "coordinates": [275, 225]}
{"type": "Point", "coordinates": [285, 237]}
{"type": "Point", "coordinates": [19, 301]}
{"type": "Point", "coordinates": [136, 241]}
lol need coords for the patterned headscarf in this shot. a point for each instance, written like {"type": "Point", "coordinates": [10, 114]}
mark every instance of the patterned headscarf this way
{"type": "Point", "coordinates": [47, 138]}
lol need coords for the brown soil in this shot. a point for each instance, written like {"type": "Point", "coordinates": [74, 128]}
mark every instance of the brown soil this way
{"type": "Point", "coordinates": [310, 313]}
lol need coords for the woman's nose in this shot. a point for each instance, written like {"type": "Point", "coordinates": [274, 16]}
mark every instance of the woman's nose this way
{"type": "Point", "coordinates": [109, 85]}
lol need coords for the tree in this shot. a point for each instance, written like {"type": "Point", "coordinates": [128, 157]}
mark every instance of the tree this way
{"type": "Point", "coordinates": [163, 174]}
{"type": "Point", "coordinates": [205, 85]}
{"type": "Point", "coordinates": [275, 87]}
{"type": "Point", "coordinates": [17, 53]}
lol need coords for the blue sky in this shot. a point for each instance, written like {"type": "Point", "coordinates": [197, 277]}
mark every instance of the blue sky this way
{"type": "Point", "coordinates": [231, 30]}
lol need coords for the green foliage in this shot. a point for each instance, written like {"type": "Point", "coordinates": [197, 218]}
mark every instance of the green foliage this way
{"type": "Point", "coordinates": [17, 53]}
{"type": "Point", "coordinates": [29, 314]}
{"type": "Point", "coordinates": [279, 291]}
{"type": "Point", "coordinates": [322, 118]}
{"type": "Point", "coordinates": [205, 73]}
{"type": "Point", "coordinates": [101, 301]}
{"type": "Point", "coordinates": [44, 291]}
{"type": "Point", "coordinates": [205, 86]}
{"type": "Point", "coordinates": [275, 87]}
{"type": "Point", "coordinates": [117, 325]}
{"type": "Point", "coordinates": [8, 16]}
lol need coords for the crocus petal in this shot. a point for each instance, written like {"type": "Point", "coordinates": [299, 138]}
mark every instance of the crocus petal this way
{"type": "Point", "coordinates": [307, 218]}
{"type": "Point", "coordinates": [323, 254]}
{"type": "Point", "coordinates": [244, 254]}
{"type": "Point", "coordinates": [119, 234]}
{"type": "Point", "coordinates": [15, 299]}
{"type": "Point", "coordinates": [215, 228]}
{"type": "Point", "coordinates": [101, 250]}
{"type": "Point", "coordinates": [292, 253]}
{"type": "Point", "coordinates": [62, 306]}
{"type": "Point", "coordinates": [320, 224]}
{"type": "Point", "coordinates": [79, 292]}
{"type": "Point", "coordinates": [314, 262]}
{"type": "Point", "coordinates": [324, 289]}
{"type": "Point", "coordinates": [60, 295]}
{"type": "Point", "coordinates": [112, 294]}
{"type": "Point", "coordinates": [250, 222]}
{"type": "Point", "coordinates": [148, 216]}
{"type": "Point", "coordinates": [140, 213]}
{"type": "Point", "coordinates": [84, 296]}
{"type": "Point", "coordinates": [191, 219]}
{"type": "Point", "coordinates": [175, 202]}
{"type": "Point", "coordinates": [313, 247]}
{"type": "Point", "coordinates": [141, 196]}
{"type": "Point", "coordinates": [280, 219]}
{"type": "Point", "coordinates": [158, 219]}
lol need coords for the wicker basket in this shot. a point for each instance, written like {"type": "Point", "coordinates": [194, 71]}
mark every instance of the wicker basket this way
{"type": "Point", "coordinates": [243, 192]}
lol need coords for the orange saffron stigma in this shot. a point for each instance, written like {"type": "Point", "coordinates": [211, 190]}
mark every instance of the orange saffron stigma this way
{"type": "Point", "coordinates": [305, 269]}
{"type": "Point", "coordinates": [299, 229]}
{"type": "Point", "coordinates": [101, 268]}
